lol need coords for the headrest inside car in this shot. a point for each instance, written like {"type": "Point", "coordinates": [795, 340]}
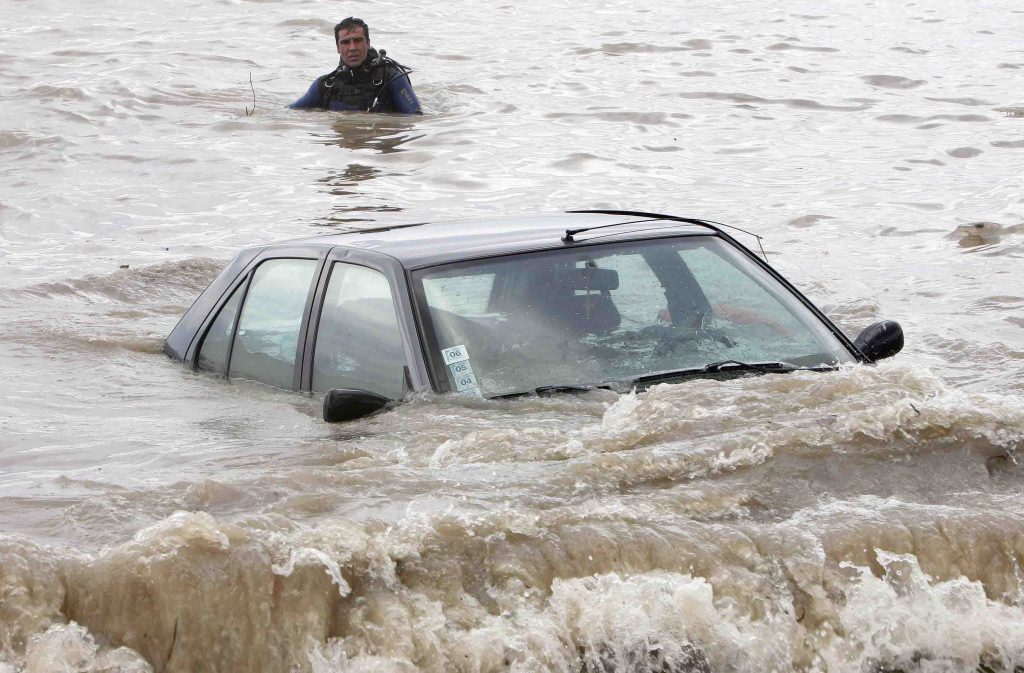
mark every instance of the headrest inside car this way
{"type": "Point", "coordinates": [589, 278]}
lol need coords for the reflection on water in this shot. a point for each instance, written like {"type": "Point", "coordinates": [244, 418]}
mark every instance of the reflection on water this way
{"type": "Point", "coordinates": [342, 217]}
{"type": "Point", "coordinates": [379, 132]}
{"type": "Point", "coordinates": [341, 183]}
{"type": "Point", "coordinates": [346, 184]}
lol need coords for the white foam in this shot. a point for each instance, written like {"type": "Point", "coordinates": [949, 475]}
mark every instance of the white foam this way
{"type": "Point", "coordinates": [905, 616]}
{"type": "Point", "coordinates": [71, 648]}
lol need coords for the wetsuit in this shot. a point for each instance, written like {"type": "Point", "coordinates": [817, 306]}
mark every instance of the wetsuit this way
{"type": "Point", "coordinates": [377, 85]}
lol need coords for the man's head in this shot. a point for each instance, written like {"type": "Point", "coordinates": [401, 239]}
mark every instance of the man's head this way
{"type": "Point", "coordinates": [352, 36]}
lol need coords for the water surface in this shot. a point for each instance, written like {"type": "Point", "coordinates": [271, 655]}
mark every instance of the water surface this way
{"type": "Point", "coordinates": [157, 519]}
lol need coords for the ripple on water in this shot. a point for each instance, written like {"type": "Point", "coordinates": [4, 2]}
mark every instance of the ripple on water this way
{"type": "Point", "coordinates": [999, 303]}
{"type": "Point", "coordinates": [618, 117]}
{"type": "Point", "coordinates": [964, 152]}
{"type": "Point", "coordinates": [466, 89]}
{"type": "Point", "coordinates": [85, 53]}
{"type": "Point", "coordinates": [747, 99]}
{"type": "Point", "coordinates": [322, 25]}
{"type": "Point", "coordinates": [622, 48]}
{"type": "Point", "coordinates": [139, 285]}
{"type": "Point", "coordinates": [925, 206]}
{"type": "Point", "coordinates": [789, 46]}
{"type": "Point", "coordinates": [127, 310]}
{"type": "Point", "coordinates": [30, 140]}
{"type": "Point", "coordinates": [49, 92]}
{"type": "Point", "coordinates": [929, 122]}
{"type": "Point", "coordinates": [960, 101]}
{"type": "Point", "coordinates": [576, 161]}
{"type": "Point", "coordinates": [808, 220]}
{"type": "Point", "coordinates": [892, 81]}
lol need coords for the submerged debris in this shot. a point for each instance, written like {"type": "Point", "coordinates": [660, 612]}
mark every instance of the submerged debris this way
{"type": "Point", "coordinates": [978, 232]}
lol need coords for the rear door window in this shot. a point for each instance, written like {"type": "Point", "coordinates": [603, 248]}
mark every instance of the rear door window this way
{"type": "Point", "coordinates": [213, 356]}
{"type": "Point", "coordinates": [268, 329]}
{"type": "Point", "coordinates": [359, 342]}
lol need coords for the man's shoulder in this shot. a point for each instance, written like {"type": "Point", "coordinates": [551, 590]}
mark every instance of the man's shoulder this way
{"type": "Point", "coordinates": [401, 96]}
{"type": "Point", "coordinates": [311, 98]}
{"type": "Point", "coordinates": [324, 77]}
{"type": "Point", "coordinates": [392, 66]}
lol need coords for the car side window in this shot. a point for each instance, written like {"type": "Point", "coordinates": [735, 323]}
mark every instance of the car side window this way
{"type": "Point", "coordinates": [213, 355]}
{"type": "Point", "coordinates": [359, 342]}
{"type": "Point", "coordinates": [268, 329]}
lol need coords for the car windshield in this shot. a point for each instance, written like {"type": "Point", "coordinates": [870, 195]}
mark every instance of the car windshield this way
{"type": "Point", "coordinates": [612, 313]}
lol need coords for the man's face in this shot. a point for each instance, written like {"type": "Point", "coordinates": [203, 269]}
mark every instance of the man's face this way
{"type": "Point", "coordinates": [353, 45]}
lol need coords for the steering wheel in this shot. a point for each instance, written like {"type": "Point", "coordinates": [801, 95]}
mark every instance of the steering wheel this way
{"type": "Point", "coordinates": [680, 336]}
{"type": "Point", "coordinates": [671, 337]}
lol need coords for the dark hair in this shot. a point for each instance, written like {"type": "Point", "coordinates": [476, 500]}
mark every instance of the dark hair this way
{"type": "Point", "coordinates": [350, 23]}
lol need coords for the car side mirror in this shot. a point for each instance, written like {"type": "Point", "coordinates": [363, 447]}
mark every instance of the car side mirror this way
{"type": "Point", "coordinates": [881, 340]}
{"type": "Point", "coordinates": [347, 404]}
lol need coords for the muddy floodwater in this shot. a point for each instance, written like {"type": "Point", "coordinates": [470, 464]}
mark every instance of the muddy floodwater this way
{"type": "Point", "coordinates": [154, 518]}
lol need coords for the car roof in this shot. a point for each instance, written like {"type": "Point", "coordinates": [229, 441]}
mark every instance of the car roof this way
{"type": "Point", "coordinates": [426, 244]}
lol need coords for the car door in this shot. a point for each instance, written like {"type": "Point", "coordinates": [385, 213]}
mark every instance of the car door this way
{"type": "Point", "coordinates": [257, 333]}
{"type": "Point", "coordinates": [358, 341]}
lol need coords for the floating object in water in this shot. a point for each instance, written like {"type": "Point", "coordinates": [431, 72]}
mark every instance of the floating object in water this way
{"type": "Point", "coordinates": [978, 233]}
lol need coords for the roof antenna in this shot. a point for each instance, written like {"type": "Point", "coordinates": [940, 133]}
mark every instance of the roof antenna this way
{"type": "Point", "coordinates": [759, 237]}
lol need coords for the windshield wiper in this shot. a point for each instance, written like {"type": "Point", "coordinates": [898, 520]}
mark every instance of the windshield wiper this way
{"type": "Point", "coordinates": [718, 368]}
{"type": "Point", "coordinates": [548, 391]}
{"type": "Point", "coordinates": [725, 365]}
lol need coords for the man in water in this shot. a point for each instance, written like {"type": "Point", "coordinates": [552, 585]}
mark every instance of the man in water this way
{"type": "Point", "coordinates": [366, 80]}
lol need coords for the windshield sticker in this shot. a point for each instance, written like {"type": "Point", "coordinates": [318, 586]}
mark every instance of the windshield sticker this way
{"type": "Point", "coordinates": [461, 368]}
{"type": "Point", "coordinates": [457, 359]}
{"type": "Point", "coordinates": [467, 383]}
{"type": "Point", "coordinates": [454, 354]}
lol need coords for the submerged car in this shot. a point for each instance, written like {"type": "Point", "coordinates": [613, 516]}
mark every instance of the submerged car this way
{"type": "Point", "coordinates": [507, 307]}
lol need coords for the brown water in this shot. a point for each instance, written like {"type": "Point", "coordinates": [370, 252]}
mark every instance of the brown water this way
{"type": "Point", "coordinates": [156, 519]}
